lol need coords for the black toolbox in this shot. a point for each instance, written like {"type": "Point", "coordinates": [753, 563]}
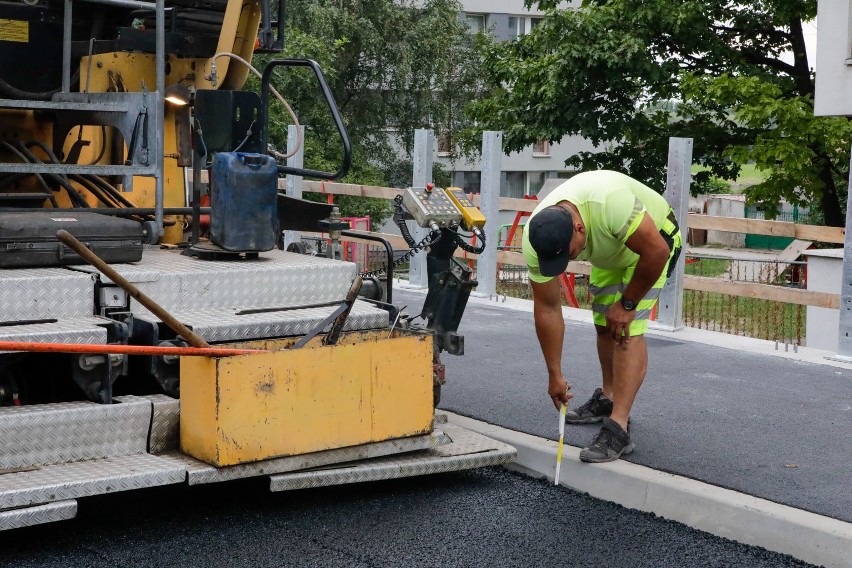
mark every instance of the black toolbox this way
{"type": "Point", "coordinates": [29, 238]}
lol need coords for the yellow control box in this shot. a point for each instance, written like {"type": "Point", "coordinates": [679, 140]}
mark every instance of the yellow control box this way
{"type": "Point", "coordinates": [471, 215]}
{"type": "Point", "coordinates": [285, 402]}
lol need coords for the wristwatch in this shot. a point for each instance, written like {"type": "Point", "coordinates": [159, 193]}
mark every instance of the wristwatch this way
{"type": "Point", "coordinates": [627, 304]}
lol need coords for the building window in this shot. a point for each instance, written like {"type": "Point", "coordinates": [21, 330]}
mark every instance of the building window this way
{"type": "Point", "coordinates": [536, 181]}
{"type": "Point", "coordinates": [445, 144]}
{"type": "Point", "coordinates": [514, 185]}
{"type": "Point", "coordinates": [516, 27]}
{"type": "Point", "coordinates": [534, 22]}
{"type": "Point", "coordinates": [471, 182]}
{"type": "Point", "coordinates": [476, 22]}
{"type": "Point", "coordinates": [541, 148]}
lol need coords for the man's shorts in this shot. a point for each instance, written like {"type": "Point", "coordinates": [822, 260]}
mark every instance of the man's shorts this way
{"type": "Point", "coordinates": [606, 286]}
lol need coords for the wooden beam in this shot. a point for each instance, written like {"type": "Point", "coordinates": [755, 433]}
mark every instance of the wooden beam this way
{"type": "Point", "coordinates": [396, 241]}
{"type": "Point", "coordinates": [772, 228]}
{"type": "Point", "coordinates": [763, 292]}
{"type": "Point", "coordinates": [354, 189]}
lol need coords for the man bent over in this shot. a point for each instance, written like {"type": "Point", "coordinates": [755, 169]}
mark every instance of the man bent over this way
{"type": "Point", "coordinates": [629, 234]}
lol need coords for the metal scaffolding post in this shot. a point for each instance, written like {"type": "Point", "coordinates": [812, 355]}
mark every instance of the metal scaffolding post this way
{"type": "Point", "coordinates": [424, 147]}
{"type": "Point", "coordinates": [678, 178]}
{"type": "Point", "coordinates": [486, 265]}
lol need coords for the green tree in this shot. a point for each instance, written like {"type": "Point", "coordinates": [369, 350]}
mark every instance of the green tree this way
{"type": "Point", "coordinates": [392, 66]}
{"type": "Point", "coordinates": [628, 74]}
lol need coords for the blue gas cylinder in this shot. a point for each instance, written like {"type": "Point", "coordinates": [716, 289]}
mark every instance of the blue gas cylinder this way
{"type": "Point", "coordinates": [243, 202]}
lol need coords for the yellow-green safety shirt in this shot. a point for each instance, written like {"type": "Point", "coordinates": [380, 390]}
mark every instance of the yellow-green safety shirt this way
{"type": "Point", "coordinates": [611, 205]}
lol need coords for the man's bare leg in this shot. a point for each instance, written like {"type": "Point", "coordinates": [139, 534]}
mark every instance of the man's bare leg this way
{"type": "Point", "coordinates": [605, 354]}
{"type": "Point", "coordinates": [629, 366]}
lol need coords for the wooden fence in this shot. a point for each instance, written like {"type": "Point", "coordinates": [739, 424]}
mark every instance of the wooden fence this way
{"type": "Point", "coordinates": [696, 221]}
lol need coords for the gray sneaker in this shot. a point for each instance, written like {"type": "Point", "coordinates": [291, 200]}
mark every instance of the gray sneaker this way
{"type": "Point", "coordinates": [611, 443]}
{"type": "Point", "coordinates": [593, 410]}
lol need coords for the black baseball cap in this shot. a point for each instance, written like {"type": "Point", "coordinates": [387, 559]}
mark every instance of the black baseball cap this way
{"type": "Point", "coordinates": [550, 232]}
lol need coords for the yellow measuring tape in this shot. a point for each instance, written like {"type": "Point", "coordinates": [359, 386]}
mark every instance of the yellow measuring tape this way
{"type": "Point", "coordinates": [561, 443]}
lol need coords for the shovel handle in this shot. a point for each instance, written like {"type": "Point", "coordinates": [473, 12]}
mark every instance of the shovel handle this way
{"type": "Point", "coordinates": [69, 240]}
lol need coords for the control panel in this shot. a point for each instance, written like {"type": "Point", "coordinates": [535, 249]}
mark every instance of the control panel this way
{"type": "Point", "coordinates": [472, 217]}
{"type": "Point", "coordinates": [430, 205]}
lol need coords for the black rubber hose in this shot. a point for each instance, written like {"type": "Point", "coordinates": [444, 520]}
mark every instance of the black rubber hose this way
{"type": "Point", "coordinates": [73, 194]}
{"type": "Point", "coordinates": [95, 190]}
{"type": "Point", "coordinates": [112, 190]}
{"type": "Point", "coordinates": [25, 159]}
{"type": "Point", "coordinates": [12, 92]}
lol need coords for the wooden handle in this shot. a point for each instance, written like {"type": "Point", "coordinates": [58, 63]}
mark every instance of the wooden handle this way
{"type": "Point", "coordinates": [193, 338]}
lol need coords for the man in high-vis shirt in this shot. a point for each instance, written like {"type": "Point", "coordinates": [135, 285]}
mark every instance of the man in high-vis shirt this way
{"type": "Point", "coordinates": [629, 234]}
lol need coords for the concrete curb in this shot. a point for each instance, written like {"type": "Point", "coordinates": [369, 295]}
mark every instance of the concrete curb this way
{"type": "Point", "coordinates": [807, 536]}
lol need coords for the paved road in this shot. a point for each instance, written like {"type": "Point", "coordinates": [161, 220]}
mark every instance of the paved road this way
{"type": "Point", "coordinates": [763, 425]}
{"type": "Point", "coordinates": [491, 518]}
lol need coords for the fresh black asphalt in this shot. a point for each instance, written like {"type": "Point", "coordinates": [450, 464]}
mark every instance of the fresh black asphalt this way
{"type": "Point", "coordinates": [491, 518]}
{"type": "Point", "coordinates": [763, 425]}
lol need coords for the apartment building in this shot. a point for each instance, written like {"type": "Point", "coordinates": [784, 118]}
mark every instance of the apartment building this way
{"type": "Point", "coordinates": [523, 172]}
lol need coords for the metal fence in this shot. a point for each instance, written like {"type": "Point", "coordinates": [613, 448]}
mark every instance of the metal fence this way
{"type": "Point", "coordinates": [750, 317]}
{"type": "Point", "coordinates": [714, 311]}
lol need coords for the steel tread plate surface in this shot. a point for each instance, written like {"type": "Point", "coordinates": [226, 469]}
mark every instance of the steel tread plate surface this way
{"type": "Point", "coordinates": [468, 451]}
{"type": "Point", "coordinates": [41, 293]}
{"type": "Point", "coordinates": [86, 478]}
{"type": "Point", "coordinates": [225, 325]}
{"type": "Point", "coordinates": [72, 431]}
{"type": "Point", "coordinates": [78, 330]}
{"type": "Point", "coordinates": [165, 424]}
{"type": "Point", "coordinates": [38, 514]}
{"type": "Point", "coordinates": [200, 472]}
{"type": "Point", "coordinates": [180, 283]}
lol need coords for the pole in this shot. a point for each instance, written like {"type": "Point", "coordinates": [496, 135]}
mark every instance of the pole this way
{"type": "Point", "coordinates": [844, 330]}
{"type": "Point", "coordinates": [670, 315]}
{"type": "Point", "coordinates": [489, 203]}
{"type": "Point", "coordinates": [424, 146]}
{"type": "Point", "coordinates": [293, 184]}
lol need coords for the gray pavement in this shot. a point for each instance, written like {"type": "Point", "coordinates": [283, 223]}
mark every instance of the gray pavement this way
{"type": "Point", "coordinates": [766, 426]}
{"type": "Point", "coordinates": [491, 517]}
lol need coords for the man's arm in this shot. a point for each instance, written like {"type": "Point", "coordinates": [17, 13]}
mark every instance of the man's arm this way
{"type": "Point", "coordinates": [653, 252]}
{"type": "Point", "coordinates": [550, 329]}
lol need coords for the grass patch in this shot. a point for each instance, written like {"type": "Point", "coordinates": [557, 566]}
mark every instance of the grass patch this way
{"type": "Point", "coordinates": [750, 174]}
{"type": "Point", "coordinates": [751, 317]}
{"type": "Point", "coordinates": [710, 267]}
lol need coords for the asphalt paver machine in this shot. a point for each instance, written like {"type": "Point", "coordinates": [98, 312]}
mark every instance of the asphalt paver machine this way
{"type": "Point", "coordinates": [100, 389]}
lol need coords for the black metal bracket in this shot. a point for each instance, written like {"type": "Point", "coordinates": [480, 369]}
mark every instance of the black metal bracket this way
{"type": "Point", "coordinates": [271, 41]}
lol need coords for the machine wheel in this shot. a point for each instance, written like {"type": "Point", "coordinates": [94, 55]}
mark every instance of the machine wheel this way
{"type": "Point", "coordinates": [297, 248]}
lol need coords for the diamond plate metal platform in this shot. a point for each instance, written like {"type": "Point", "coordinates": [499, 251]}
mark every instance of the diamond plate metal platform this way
{"type": "Point", "coordinates": [467, 451]}
{"type": "Point", "coordinates": [165, 423]}
{"type": "Point", "coordinates": [60, 294]}
{"type": "Point", "coordinates": [98, 436]}
{"type": "Point", "coordinates": [228, 325]}
{"type": "Point", "coordinates": [81, 330]}
{"type": "Point", "coordinates": [42, 293]}
{"type": "Point", "coordinates": [38, 515]}
{"type": "Point", "coordinates": [72, 431]}
{"type": "Point", "coordinates": [199, 472]}
{"type": "Point", "coordinates": [182, 284]}
{"type": "Point", "coordinates": [86, 478]}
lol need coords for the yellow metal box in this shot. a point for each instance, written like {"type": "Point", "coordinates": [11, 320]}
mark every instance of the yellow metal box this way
{"type": "Point", "coordinates": [366, 388]}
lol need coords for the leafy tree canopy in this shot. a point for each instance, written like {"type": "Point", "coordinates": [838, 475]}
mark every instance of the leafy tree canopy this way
{"type": "Point", "coordinates": [392, 66]}
{"type": "Point", "coordinates": [629, 74]}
